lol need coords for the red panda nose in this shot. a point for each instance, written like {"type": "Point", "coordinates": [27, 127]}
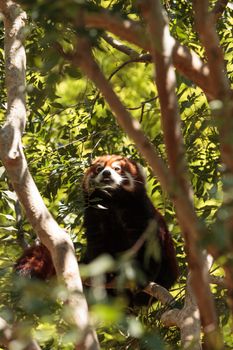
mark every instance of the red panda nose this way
{"type": "Point", "coordinates": [106, 173]}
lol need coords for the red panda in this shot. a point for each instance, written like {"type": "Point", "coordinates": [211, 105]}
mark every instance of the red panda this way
{"type": "Point", "coordinates": [117, 213]}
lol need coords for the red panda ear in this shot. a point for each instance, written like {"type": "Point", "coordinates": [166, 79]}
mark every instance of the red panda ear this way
{"type": "Point", "coordinates": [141, 173]}
{"type": "Point", "coordinates": [137, 170]}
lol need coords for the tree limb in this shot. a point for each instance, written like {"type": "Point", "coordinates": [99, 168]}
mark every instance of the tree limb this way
{"type": "Point", "coordinates": [221, 85]}
{"type": "Point", "coordinates": [161, 48]}
{"type": "Point", "coordinates": [119, 46]}
{"type": "Point", "coordinates": [159, 292]}
{"type": "Point", "coordinates": [187, 319]}
{"type": "Point", "coordinates": [223, 111]}
{"type": "Point", "coordinates": [11, 153]}
{"type": "Point", "coordinates": [15, 71]}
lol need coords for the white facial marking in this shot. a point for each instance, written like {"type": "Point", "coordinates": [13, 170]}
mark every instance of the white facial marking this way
{"type": "Point", "coordinates": [113, 180]}
{"type": "Point", "coordinates": [116, 166]}
{"type": "Point", "coordinates": [129, 186]}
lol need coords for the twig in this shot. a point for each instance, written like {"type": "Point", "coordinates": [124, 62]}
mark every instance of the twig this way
{"type": "Point", "coordinates": [139, 58]}
{"type": "Point", "coordinates": [119, 46]}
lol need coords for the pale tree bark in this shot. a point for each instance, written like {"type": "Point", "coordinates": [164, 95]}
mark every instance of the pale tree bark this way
{"type": "Point", "coordinates": [187, 320]}
{"type": "Point", "coordinates": [11, 153]}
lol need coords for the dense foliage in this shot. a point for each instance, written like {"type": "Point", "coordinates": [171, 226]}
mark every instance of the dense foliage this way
{"type": "Point", "coordinates": [69, 124]}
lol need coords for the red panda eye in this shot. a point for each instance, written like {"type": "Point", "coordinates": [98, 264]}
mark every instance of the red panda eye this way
{"type": "Point", "coordinates": [99, 168]}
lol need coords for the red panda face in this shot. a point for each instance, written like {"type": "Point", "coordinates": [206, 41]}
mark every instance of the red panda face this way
{"type": "Point", "coordinates": [112, 172]}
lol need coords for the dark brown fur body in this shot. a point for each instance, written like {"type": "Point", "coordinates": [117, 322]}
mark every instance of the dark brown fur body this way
{"type": "Point", "coordinates": [115, 221]}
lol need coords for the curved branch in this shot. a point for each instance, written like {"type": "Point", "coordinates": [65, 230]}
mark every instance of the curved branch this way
{"type": "Point", "coordinates": [119, 46]}
{"type": "Point", "coordinates": [205, 25]}
{"type": "Point", "coordinates": [187, 62]}
{"type": "Point", "coordinates": [159, 292]}
{"type": "Point", "coordinates": [11, 153]}
{"type": "Point", "coordinates": [221, 85]}
{"type": "Point", "coordinates": [166, 84]}
{"type": "Point", "coordinates": [187, 319]}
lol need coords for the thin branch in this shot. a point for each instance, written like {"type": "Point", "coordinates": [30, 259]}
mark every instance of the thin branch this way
{"type": "Point", "coordinates": [162, 46]}
{"type": "Point", "coordinates": [11, 153]}
{"type": "Point", "coordinates": [119, 46]}
{"type": "Point", "coordinates": [140, 58]}
{"type": "Point", "coordinates": [160, 293]}
{"type": "Point", "coordinates": [187, 62]}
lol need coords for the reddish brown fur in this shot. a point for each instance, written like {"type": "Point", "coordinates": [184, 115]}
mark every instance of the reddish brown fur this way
{"type": "Point", "coordinates": [36, 262]}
